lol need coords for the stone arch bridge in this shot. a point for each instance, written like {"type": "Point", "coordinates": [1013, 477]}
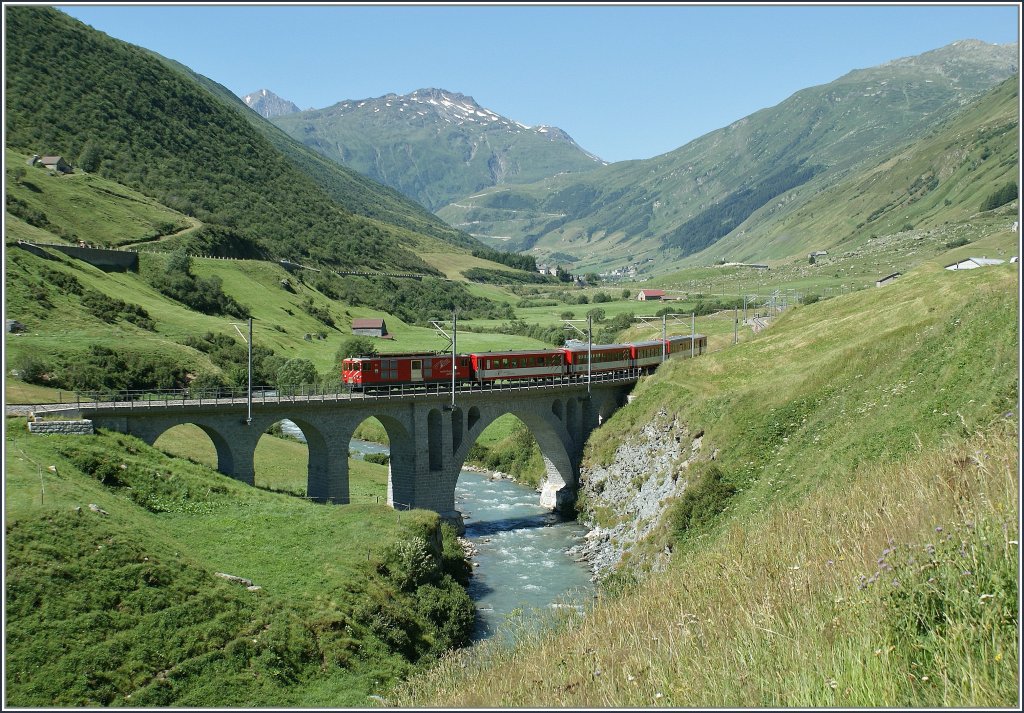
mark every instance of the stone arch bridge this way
{"type": "Point", "coordinates": [430, 438]}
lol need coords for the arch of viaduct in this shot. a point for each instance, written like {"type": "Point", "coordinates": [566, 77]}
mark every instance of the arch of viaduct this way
{"type": "Point", "coordinates": [429, 438]}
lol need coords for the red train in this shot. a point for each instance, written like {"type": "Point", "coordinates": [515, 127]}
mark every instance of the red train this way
{"type": "Point", "coordinates": [535, 364]}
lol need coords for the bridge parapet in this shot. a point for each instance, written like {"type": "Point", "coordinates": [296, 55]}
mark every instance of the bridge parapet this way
{"type": "Point", "coordinates": [430, 439]}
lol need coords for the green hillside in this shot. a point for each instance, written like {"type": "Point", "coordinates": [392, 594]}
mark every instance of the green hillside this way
{"type": "Point", "coordinates": [853, 542]}
{"type": "Point", "coordinates": [434, 146]}
{"type": "Point", "coordinates": [70, 309]}
{"type": "Point", "coordinates": [353, 191]}
{"type": "Point", "coordinates": [673, 207]}
{"type": "Point", "coordinates": [945, 178]}
{"type": "Point", "coordinates": [116, 110]}
{"type": "Point", "coordinates": [113, 599]}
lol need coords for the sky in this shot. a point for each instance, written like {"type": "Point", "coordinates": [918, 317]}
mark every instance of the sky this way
{"type": "Point", "coordinates": [626, 81]}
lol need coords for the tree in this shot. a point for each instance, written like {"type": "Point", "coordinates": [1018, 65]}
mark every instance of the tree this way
{"type": "Point", "coordinates": [1001, 196]}
{"type": "Point", "coordinates": [626, 294]}
{"type": "Point", "coordinates": [90, 158]}
{"type": "Point", "coordinates": [296, 372]}
{"type": "Point", "coordinates": [597, 314]}
{"type": "Point", "coordinates": [354, 347]}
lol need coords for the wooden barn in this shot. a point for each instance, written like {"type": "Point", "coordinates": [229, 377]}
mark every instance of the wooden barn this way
{"type": "Point", "coordinates": [370, 327]}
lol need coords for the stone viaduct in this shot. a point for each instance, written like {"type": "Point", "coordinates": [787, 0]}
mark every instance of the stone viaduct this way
{"type": "Point", "coordinates": [429, 438]}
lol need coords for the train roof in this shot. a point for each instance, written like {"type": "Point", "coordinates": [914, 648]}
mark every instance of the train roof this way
{"type": "Point", "coordinates": [584, 347]}
{"type": "Point", "coordinates": [401, 354]}
{"type": "Point", "coordinates": [519, 352]}
{"type": "Point", "coordinates": [651, 343]}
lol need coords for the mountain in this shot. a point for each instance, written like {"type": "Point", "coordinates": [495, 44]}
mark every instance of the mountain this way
{"type": "Point", "coordinates": [435, 146]}
{"type": "Point", "coordinates": [268, 105]}
{"type": "Point", "coordinates": [129, 115]}
{"type": "Point", "coordinates": [945, 178]}
{"type": "Point", "coordinates": [671, 208]}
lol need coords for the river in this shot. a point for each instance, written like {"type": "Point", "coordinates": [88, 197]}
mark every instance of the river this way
{"type": "Point", "coordinates": [521, 562]}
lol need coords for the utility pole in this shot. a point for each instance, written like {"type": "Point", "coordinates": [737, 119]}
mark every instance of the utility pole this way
{"type": "Point", "coordinates": [664, 337]}
{"type": "Point", "coordinates": [455, 323]}
{"type": "Point", "coordinates": [735, 324]}
{"type": "Point", "coordinates": [590, 348]}
{"type": "Point", "coordinates": [452, 339]}
{"type": "Point", "coordinates": [693, 331]}
{"type": "Point", "coordinates": [248, 341]}
{"type": "Point", "coordinates": [590, 342]}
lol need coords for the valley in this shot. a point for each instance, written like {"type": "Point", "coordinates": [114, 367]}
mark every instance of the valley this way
{"type": "Point", "coordinates": [822, 510]}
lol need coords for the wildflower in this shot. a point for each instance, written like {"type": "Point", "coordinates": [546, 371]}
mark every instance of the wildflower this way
{"type": "Point", "coordinates": [658, 695]}
{"type": "Point", "coordinates": [924, 678]}
{"type": "Point", "coordinates": [999, 657]}
{"type": "Point", "coordinates": [939, 528]}
{"type": "Point", "coordinates": [832, 684]}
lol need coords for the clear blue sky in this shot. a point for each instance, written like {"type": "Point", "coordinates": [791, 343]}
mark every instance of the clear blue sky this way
{"type": "Point", "coordinates": [625, 81]}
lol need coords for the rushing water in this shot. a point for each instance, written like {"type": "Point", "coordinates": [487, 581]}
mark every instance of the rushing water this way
{"type": "Point", "coordinates": [521, 561]}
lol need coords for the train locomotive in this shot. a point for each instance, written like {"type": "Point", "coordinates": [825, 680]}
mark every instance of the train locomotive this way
{"type": "Point", "coordinates": [384, 370]}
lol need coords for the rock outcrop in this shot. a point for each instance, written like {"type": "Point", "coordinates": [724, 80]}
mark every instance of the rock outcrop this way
{"type": "Point", "coordinates": [647, 472]}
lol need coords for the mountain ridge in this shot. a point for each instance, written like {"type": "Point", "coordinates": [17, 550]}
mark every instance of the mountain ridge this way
{"type": "Point", "coordinates": [643, 207]}
{"type": "Point", "coordinates": [435, 145]}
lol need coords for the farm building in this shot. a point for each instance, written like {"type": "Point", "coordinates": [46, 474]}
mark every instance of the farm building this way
{"type": "Point", "coordinates": [973, 262]}
{"type": "Point", "coordinates": [646, 295]}
{"type": "Point", "coordinates": [371, 327]}
{"type": "Point", "coordinates": [887, 279]}
{"type": "Point", "coordinates": [57, 163]}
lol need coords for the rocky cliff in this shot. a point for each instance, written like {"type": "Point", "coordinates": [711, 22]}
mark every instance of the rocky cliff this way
{"type": "Point", "coordinates": [624, 502]}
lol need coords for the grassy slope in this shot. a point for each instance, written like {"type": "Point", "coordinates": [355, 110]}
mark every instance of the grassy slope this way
{"type": "Point", "coordinates": [850, 430]}
{"type": "Point", "coordinates": [279, 322]}
{"type": "Point", "coordinates": [941, 179]}
{"type": "Point", "coordinates": [124, 608]}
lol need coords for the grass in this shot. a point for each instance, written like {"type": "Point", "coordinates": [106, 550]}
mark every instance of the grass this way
{"type": "Point", "coordinates": [85, 206]}
{"type": "Point", "coordinates": [865, 551]}
{"type": "Point", "coordinates": [122, 607]}
{"type": "Point", "coordinates": [776, 611]}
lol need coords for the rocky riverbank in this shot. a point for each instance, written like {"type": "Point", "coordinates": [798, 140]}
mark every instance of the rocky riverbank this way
{"type": "Point", "coordinates": [645, 475]}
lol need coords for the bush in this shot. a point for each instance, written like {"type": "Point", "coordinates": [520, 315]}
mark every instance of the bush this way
{"type": "Point", "coordinates": [31, 369]}
{"type": "Point", "coordinates": [701, 503]}
{"type": "Point", "coordinates": [296, 372]}
{"type": "Point", "coordinates": [177, 282]}
{"type": "Point", "coordinates": [378, 458]}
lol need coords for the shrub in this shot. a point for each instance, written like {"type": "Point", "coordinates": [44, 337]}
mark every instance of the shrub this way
{"type": "Point", "coordinates": [701, 502]}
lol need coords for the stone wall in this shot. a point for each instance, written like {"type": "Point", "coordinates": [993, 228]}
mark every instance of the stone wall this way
{"type": "Point", "coordinates": [73, 428]}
